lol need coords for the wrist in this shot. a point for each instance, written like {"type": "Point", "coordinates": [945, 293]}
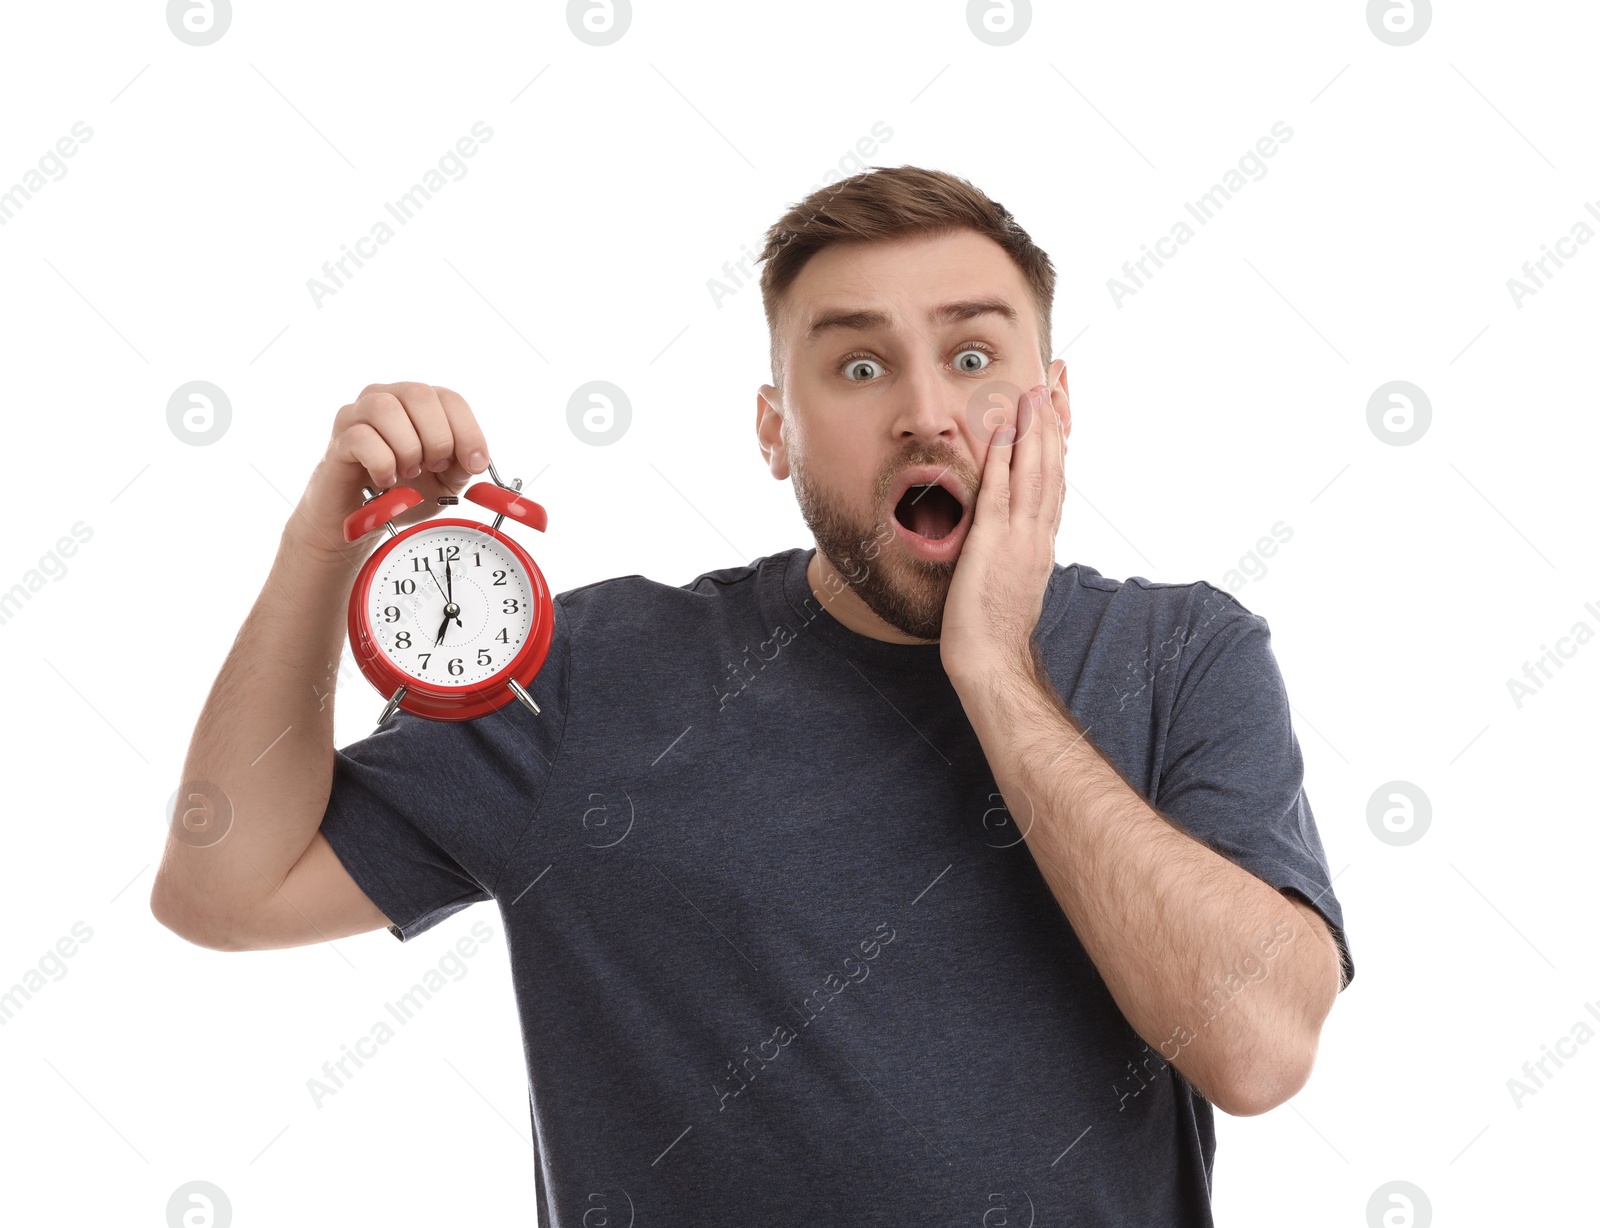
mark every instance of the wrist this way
{"type": "Point", "coordinates": [304, 541]}
{"type": "Point", "coordinates": [990, 669]}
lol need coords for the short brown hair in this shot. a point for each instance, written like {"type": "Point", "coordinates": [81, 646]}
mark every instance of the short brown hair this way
{"type": "Point", "coordinates": [890, 203]}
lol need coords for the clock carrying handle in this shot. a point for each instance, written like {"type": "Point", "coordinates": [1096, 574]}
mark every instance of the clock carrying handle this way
{"type": "Point", "coordinates": [506, 501]}
{"type": "Point", "coordinates": [381, 507]}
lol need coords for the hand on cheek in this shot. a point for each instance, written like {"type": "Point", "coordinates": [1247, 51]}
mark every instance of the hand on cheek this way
{"type": "Point", "coordinates": [997, 591]}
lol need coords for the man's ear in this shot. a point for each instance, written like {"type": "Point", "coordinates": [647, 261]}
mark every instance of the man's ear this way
{"type": "Point", "coordinates": [769, 430]}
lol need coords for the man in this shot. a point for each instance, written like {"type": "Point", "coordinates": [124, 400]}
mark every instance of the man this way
{"type": "Point", "coordinates": [912, 879]}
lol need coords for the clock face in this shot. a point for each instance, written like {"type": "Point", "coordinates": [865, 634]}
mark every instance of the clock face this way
{"type": "Point", "coordinates": [411, 598]}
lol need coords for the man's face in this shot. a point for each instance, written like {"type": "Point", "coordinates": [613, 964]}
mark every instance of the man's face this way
{"type": "Point", "coordinates": [866, 400]}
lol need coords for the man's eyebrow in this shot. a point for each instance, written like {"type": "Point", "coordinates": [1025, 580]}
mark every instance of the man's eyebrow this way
{"type": "Point", "coordinates": [858, 320]}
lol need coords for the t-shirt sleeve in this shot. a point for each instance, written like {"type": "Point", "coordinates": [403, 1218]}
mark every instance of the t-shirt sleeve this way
{"type": "Point", "coordinates": [1232, 775]}
{"type": "Point", "coordinates": [424, 814]}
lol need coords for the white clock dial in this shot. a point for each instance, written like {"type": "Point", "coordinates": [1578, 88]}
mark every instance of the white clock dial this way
{"type": "Point", "coordinates": [412, 592]}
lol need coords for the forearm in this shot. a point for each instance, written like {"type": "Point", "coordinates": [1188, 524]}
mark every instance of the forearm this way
{"type": "Point", "coordinates": [1210, 965]}
{"type": "Point", "coordinates": [264, 741]}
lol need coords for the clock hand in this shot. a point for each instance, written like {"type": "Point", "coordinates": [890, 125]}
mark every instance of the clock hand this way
{"type": "Point", "coordinates": [450, 593]}
{"type": "Point", "coordinates": [436, 583]}
{"type": "Point", "coordinates": [442, 627]}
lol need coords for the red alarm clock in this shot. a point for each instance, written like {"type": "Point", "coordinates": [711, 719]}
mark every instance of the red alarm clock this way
{"type": "Point", "coordinates": [451, 619]}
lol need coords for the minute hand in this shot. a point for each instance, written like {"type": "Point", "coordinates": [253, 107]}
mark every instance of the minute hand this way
{"type": "Point", "coordinates": [450, 594]}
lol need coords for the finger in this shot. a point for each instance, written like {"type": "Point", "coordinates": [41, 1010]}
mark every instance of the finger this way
{"type": "Point", "coordinates": [1065, 402]}
{"type": "Point", "coordinates": [1061, 399]}
{"type": "Point", "coordinates": [994, 490]}
{"type": "Point", "coordinates": [1055, 452]}
{"type": "Point", "coordinates": [428, 420]}
{"type": "Point", "coordinates": [1027, 484]}
{"type": "Point", "coordinates": [470, 448]}
{"type": "Point", "coordinates": [362, 444]}
{"type": "Point", "coordinates": [387, 416]}
{"type": "Point", "coordinates": [1060, 418]}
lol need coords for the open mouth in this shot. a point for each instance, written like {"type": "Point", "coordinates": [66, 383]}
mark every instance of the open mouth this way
{"type": "Point", "coordinates": [929, 511]}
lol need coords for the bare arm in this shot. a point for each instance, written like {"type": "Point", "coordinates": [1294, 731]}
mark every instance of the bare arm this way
{"type": "Point", "coordinates": [244, 865]}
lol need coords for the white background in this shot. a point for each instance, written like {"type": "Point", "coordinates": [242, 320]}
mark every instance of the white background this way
{"type": "Point", "coordinates": [1230, 393]}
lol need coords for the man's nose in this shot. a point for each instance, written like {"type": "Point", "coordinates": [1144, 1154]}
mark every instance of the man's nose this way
{"type": "Point", "coordinates": [929, 408]}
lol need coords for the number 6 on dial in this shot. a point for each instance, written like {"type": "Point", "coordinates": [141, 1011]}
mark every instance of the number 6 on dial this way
{"type": "Point", "coordinates": [451, 619]}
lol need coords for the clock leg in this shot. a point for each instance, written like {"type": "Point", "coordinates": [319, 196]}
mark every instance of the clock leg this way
{"type": "Point", "coordinates": [516, 689]}
{"type": "Point", "coordinates": [388, 708]}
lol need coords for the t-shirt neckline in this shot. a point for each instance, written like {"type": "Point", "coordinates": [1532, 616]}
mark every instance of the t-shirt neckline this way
{"type": "Point", "coordinates": [788, 599]}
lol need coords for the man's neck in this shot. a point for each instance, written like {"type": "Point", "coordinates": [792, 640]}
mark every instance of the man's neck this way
{"type": "Point", "coordinates": [840, 600]}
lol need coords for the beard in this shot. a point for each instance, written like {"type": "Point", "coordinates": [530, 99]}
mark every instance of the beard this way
{"type": "Point", "coordinates": [905, 591]}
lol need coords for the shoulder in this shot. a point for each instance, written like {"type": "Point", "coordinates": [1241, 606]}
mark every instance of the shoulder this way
{"type": "Point", "coordinates": [1147, 635]}
{"type": "Point", "coordinates": [1197, 607]}
{"type": "Point", "coordinates": [638, 601]}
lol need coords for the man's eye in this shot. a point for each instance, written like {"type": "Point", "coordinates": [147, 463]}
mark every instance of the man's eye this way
{"type": "Point", "coordinates": [854, 364]}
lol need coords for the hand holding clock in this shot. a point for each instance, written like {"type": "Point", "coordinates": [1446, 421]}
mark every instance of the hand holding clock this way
{"type": "Point", "coordinates": [425, 440]}
{"type": "Point", "coordinates": [419, 434]}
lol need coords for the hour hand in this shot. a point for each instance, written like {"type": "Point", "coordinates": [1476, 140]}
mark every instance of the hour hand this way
{"type": "Point", "coordinates": [450, 593]}
{"type": "Point", "coordinates": [440, 637]}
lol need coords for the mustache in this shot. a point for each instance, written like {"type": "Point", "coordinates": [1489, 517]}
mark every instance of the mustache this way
{"type": "Point", "coordinates": [954, 466]}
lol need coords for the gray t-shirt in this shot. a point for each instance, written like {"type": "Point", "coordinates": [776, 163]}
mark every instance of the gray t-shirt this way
{"type": "Point", "coordinates": [780, 954]}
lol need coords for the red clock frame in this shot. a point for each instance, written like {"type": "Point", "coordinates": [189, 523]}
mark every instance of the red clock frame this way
{"type": "Point", "coordinates": [447, 703]}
